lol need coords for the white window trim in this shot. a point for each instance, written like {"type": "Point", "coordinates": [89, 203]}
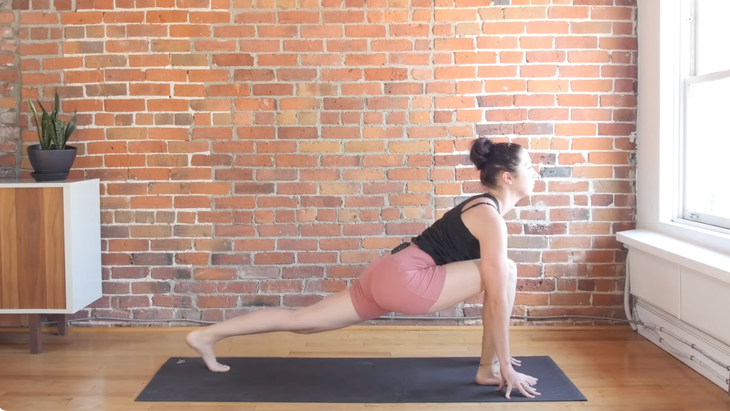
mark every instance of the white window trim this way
{"type": "Point", "coordinates": [688, 71]}
{"type": "Point", "coordinates": [662, 28]}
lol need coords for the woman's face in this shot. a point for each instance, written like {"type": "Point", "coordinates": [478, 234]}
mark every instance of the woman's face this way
{"type": "Point", "coordinates": [524, 179]}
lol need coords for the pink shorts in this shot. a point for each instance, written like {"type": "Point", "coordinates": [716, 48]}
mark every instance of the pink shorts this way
{"type": "Point", "coordinates": [407, 282]}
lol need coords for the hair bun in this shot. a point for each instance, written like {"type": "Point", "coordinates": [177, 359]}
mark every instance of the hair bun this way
{"type": "Point", "coordinates": [480, 151]}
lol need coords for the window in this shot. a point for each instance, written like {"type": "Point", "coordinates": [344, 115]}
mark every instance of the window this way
{"type": "Point", "coordinates": [705, 186]}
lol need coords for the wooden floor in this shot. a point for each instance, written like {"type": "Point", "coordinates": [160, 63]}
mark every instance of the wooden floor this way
{"type": "Point", "coordinates": [105, 369]}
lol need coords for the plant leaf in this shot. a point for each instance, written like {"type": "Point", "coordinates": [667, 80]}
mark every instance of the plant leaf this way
{"type": "Point", "coordinates": [41, 105]}
{"type": "Point", "coordinates": [69, 129]}
{"type": "Point", "coordinates": [60, 127]}
{"type": "Point", "coordinates": [39, 128]}
{"type": "Point", "coordinates": [48, 131]}
{"type": "Point", "coordinates": [55, 105]}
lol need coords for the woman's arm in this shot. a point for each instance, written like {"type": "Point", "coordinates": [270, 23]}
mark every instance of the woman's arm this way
{"type": "Point", "coordinates": [491, 231]}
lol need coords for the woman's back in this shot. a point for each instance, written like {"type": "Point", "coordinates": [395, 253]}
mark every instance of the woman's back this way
{"type": "Point", "coordinates": [448, 239]}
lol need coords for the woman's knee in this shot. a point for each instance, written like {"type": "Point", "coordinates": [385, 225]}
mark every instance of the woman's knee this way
{"type": "Point", "coordinates": [292, 320]}
{"type": "Point", "coordinates": [334, 312]}
{"type": "Point", "coordinates": [512, 270]}
{"type": "Point", "coordinates": [300, 323]}
{"type": "Point", "coordinates": [511, 275]}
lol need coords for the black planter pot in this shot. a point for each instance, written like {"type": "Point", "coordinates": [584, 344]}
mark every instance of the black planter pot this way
{"type": "Point", "coordinates": [51, 165]}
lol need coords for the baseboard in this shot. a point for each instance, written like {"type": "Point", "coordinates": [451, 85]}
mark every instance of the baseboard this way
{"type": "Point", "coordinates": [374, 328]}
{"type": "Point", "coordinates": [674, 335]}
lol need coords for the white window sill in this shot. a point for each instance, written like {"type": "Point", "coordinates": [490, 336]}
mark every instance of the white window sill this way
{"type": "Point", "coordinates": [701, 259]}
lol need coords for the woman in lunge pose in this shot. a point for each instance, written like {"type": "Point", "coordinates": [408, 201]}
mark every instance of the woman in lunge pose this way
{"type": "Point", "coordinates": [460, 255]}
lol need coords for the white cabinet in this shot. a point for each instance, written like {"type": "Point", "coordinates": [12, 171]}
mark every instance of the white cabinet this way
{"type": "Point", "coordinates": [50, 248]}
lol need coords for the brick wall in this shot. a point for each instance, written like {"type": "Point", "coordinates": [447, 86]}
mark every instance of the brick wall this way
{"type": "Point", "coordinates": [261, 153]}
{"type": "Point", "coordinates": [9, 100]}
{"type": "Point", "coordinates": [9, 90]}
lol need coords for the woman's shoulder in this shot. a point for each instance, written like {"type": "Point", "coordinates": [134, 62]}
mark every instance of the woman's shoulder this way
{"type": "Point", "coordinates": [475, 200]}
{"type": "Point", "coordinates": [481, 217]}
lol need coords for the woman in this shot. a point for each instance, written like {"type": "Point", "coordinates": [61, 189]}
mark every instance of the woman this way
{"type": "Point", "coordinates": [459, 256]}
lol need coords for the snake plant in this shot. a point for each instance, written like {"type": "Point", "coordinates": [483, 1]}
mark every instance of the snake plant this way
{"type": "Point", "coordinates": [53, 133]}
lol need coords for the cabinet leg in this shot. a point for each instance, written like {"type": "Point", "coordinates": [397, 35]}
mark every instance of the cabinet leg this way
{"type": "Point", "coordinates": [62, 321]}
{"type": "Point", "coordinates": [36, 346]}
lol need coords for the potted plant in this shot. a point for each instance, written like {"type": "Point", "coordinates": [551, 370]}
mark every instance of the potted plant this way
{"type": "Point", "coordinates": [52, 158]}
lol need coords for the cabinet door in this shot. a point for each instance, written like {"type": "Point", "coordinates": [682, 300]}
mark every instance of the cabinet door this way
{"type": "Point", "coordinates": [32, 261]}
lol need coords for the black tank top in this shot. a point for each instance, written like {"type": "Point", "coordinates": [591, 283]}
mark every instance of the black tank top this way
{"type": "Point", "coordinates": [448, 240]}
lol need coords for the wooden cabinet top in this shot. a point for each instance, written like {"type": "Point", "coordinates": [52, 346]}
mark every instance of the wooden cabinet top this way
{"type": "Point", "coordinates": [29, 182]}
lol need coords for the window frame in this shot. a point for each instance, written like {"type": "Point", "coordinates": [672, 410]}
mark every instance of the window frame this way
{"type": "Point", "coordinates": [688, 72]}
{"type": "Point", "coordinates": [663, 36]}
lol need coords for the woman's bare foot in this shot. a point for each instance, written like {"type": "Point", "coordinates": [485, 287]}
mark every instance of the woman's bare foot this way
{"type": "Point", "coordinates": [487, 375]}
{"type": "Point", "coordinates": [198, 342]}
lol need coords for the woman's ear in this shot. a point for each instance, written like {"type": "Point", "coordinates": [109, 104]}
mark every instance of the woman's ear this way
{"type": "Point", "coordinates": [507, 177]}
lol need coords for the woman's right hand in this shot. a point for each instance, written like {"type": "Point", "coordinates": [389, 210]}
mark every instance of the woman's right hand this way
{"type": "Point", "coordinates": [513, 379]}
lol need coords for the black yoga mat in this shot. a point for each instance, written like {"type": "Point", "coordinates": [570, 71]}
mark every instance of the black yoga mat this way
{"type": "Point", "coordinates": [347, 380]}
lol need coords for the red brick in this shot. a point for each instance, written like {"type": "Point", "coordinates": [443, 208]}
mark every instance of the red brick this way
{"type": "Point", "coordinates": [317, 161]}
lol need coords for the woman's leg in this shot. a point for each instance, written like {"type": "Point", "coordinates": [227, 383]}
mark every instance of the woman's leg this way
{"type": "Point", "coordinates": [464, 280]}
{"type": "Point", "coordinates": [334, 312]}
